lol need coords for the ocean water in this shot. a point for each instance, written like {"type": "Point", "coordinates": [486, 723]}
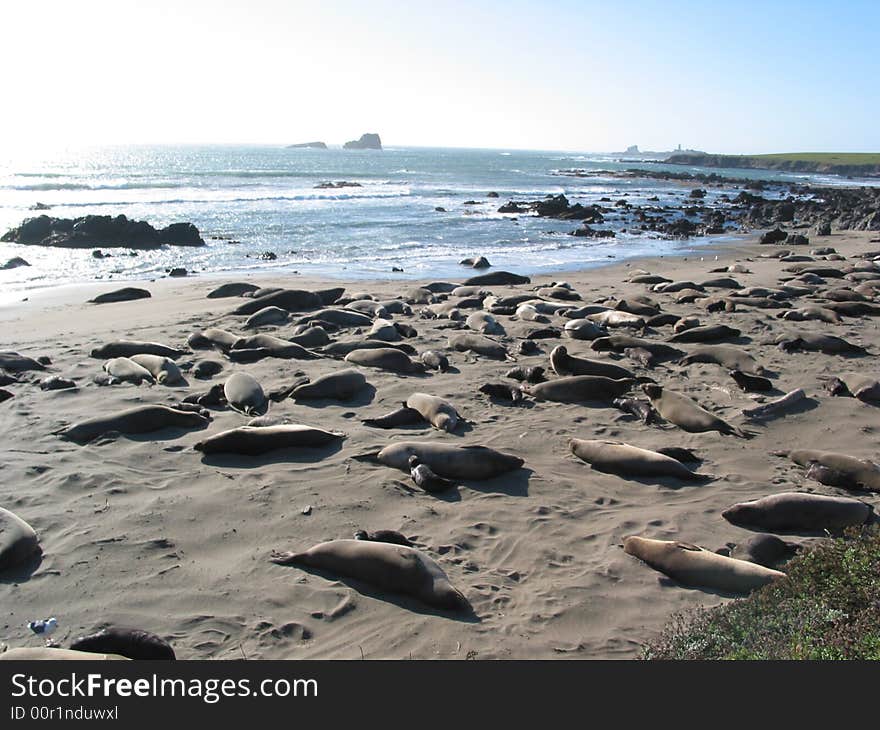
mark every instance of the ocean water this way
{"type": "Point", "coordinates": [255, 199]}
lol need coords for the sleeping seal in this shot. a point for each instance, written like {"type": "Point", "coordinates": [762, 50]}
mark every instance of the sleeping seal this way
{"type": "Point", "coordinates": [18, 541]}
{"type": "Point", "coordinates": [706, 333]}
{"type": "Point", "coordinates": [796, 511]}
{"type": "Point", "coordinates": [141, 419]}
{"type": "Point", "coordinates": [565, 364]}
{"type": "Point", "coordinates": [625, 460]}
{"type": "Point", "coordinates": [126, 370]}
{"type": "Point", "coordinates": [17, 363]}
{"type": "Point", "coordinates": [256, 440]}
{"type": "Point", "coordinates": [383, 565]}
{"type": "Point", "coordinates": [863, 473]}
{"type": "Point", "coordinates": [727, 356]}
{"type": "Point", "coordinates": [685, 413]}
{"type": "Point", "coordinates": [163, 369]}
{"type": "Point", "coordinates": [580, 388]}
{"type": "Point", "coordinates": [439, 413]}
{"type": "Point", "coordinates": [691, 565]}
{"type": "Point", "coordinates": [385, 358]}
{"type": "Point", "coordinates": [127, 348]}
{"type": "Point", "coordinates": [766, 550]}
{"type": "Point", "coordinates": [130, 643]}
{"type": "Point", "coordinates": [245, 395]}
{"type": "Point", "coordinates": [343, 385]}
{"type": "Point", "coordinates": [480, 345]}
{"type": "Point", "coordinates": [447, 460]}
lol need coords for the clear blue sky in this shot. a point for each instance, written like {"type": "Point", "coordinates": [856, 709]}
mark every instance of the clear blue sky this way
{"type": "Point", "coordinates": [744, 76]}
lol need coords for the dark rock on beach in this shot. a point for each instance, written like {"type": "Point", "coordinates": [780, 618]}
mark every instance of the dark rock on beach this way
{"type": "Point", "coordinates": [101, 230]}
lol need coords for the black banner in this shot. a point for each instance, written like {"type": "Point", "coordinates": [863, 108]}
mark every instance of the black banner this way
{"type": "Point", "coordinates": [129, 693]}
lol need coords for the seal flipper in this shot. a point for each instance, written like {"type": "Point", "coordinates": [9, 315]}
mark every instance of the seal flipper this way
{"type": "Point", "coordinates": [370, 457]}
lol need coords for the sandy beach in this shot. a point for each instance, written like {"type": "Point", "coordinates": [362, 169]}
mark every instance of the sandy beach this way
{"type": "Point", "coordinates": [144, 531]}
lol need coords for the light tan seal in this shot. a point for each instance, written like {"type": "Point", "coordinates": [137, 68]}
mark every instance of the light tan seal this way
{"type": "Point", "coordinates": [388, 567]}
{"type": "Point", "coordinates": [691, 565]}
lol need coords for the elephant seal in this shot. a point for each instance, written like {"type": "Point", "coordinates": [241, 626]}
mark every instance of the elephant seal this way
{"type": "Point", "coordinates": [533, 374]}
{"type": "Point", "coordinates": [484, 323]}
{"type": "Point", "coordinates": [43, 653]}
{"type": "Point", "coordinates": [640, 409]}
{"type": "Point", "coordinates": [383, 329]}
{"type": "Point", "coordinates": [310, 336]}
{"type": "Point", "coordinates": [391, 536]}
{"type": "Point", "coordinates": [626, 460]}
{"type": "Point", "coordinates": [497, 278]}
{"type": "Point", "coordinates": [206, 369]}
{"type": "Point", "coordinates": [615, 318]}
{"type": "Point", "coordinates": [565, 364]}
{"type": "Point", "coordinates": [802, 314]}
{"type": "Point", "coordinates": [766, 550]}
{"type": "Point", "coordinates": [17, 363]}
{"type": "Point", "coordinates": [864, 387]}
{"type": "Point", "coordinates": [728, 357]}
{"type": "Point", "coordinates": [212, 337]}
{"type": "Point", "coordinates": [388, 567]}
{"type": "Point", "coordinates": [619, 343]}
{"type": "Point", "coordinates": [435, 360]}
{"type": "Point", "coordinates": [385, 358]}
{"type": "Point", "coordinates": [343, 385]}
{"type": "Point", "coordinates": [342, 348]}
{"type": "Point", "coordinates": [706, 333]}
{"type": "Point", "coordinates": [862, 473]}
{"type": "Point", "coordinates": [163, 369]}
{"type": "Point", "coordinates": [339, 317]}
{"type": "Point", "coordinates": [245, 395]}
{"type": "Point", "coordinates": [141, 419]}
{"type": "Point", "coordinates": [266, 316]}
{"type": "Point", "coordinates": [426, 479]}
{"type": "Point", "coordinates": [502, 391]}
{"type": "Point", "coordinates": [826, 344]}
{"type": "Point", "coordinates": [580, 388]}
{"type": "Point", "coordinates": [127, 348]}
{"type": "Point", "coordinates": [751, 383]}
{"type": "Point", "coordinates": [695, 566]}
{"type": "Point", "coordinates": [447, 460]}
{"type": "Point", "coordinates": [257, 440]}
{"type": "Point", "coordinates": [18, 541]}
{"type": "Point", "coordinates": [794, 511]}
{"type": "Point", "coordinates": [126, 294]}
{"type": "Point", "coordinates": [233, 289]}
{"type": "Point", "coordinates": [291, 300]}
{"type": "Point", "coordinates": [126, 370]}
{"type": "Point", "coordinates": [480, 345]}
{"type": "Point", "coordinates": [130, 643]}
{"type": "Point", "coordinates": [402, 416]}
{"type": "Point", "coordinates": [274, 347]}
{"type": "Point", "coordinates": [439, 413]}
{"type": "Point", "coordinates": [584, 329]}
{"type": "Point", "coordinates": [368, 307]}
{"type": "Point", "coordinates": [685, 413]}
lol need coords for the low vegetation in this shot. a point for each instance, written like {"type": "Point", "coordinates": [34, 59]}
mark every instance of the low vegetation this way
{"type": "Point", "coordinates": [824, 158]}
{"type": "Point", "coordinates": [827, 608]}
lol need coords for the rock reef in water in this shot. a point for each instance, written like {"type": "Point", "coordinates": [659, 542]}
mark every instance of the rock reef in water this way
{"type": "Point", "coordinates": [101, 230]}
{"type": "Point", "coordinates": [366, 142]}
{"type": "Point", "coordinates": [307, 145]}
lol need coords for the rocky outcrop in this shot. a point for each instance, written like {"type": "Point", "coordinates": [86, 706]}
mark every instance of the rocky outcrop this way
{"type": "Point", "coordinates": [101, 230]}
{"type": "Point", "coordinates": [775, 163]}
{"type": "Point", "coordinates": [307, 145]}
{"type": "Point", "coordinates": [556, 206]}
{"type": "Point", "coordinates": [366, 142]}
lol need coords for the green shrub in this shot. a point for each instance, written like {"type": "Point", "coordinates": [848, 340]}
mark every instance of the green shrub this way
{"type": "Point", "coordinates": [827, 608]}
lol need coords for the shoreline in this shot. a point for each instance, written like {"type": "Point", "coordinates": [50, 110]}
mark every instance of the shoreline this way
{"type": "Point", "coordinates": [143, 531]}
{"type": "Point", "coordinates": [65, 293]}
